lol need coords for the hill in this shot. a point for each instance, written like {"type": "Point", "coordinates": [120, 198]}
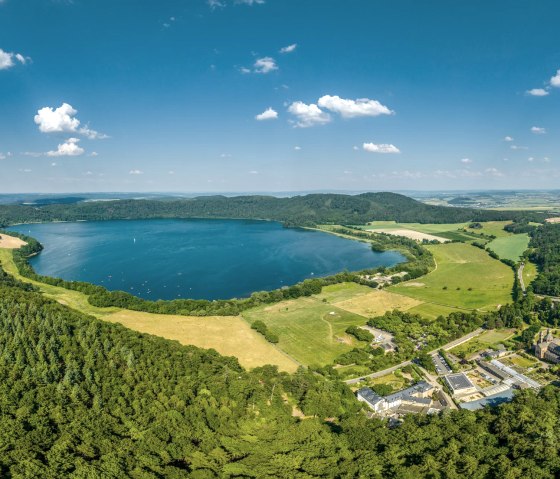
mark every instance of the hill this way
{"type": "Point", "coordinates": [308, 210]}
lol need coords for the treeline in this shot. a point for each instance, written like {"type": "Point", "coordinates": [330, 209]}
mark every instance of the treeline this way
{"type": "Point", "coordinates": [82, 398]}
{"type": "Point", "coordinates": [545, 242]}
{"type": "Point", "coordinates": [308, 210]}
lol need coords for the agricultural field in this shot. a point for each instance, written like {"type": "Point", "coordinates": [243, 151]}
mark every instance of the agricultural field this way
{"type": "Point", "coordinates": [230, 336]}
{"type": "Point", "coordinates": [511, 246]}
{"type": "Point", "coordinates": [310, 330]}
{"type": "Point", "coordinates": [495, 228]}
{"type": "Point", "coordinates": [466, 277]}
{"type": "Point", "coordinates": [483, 341]}
{"type": "Point", "coordinates": [376, 303]}
{"type": "Point", "coordinates": [432, 229]}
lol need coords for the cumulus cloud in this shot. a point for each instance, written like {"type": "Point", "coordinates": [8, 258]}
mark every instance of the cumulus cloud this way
{"type": "Point", "coordinates": [249, 2]}
{"type": "Point", "coordinates": [308, 115]}
{"type": "Point", "coordinates": [69, 148]}
{"type": "Point", "coordinates": [555, 80]}
{"type": "Point", "coordinates": [265, 65]}
{"type": "Point", "coordinates": [63, 120]}
{"type": "Point", "coordinates": [537, 130]}
{"type": "Point", "coordinates": [289, 48]}
{"type": "Point", "coordinates": [268, 114]}
{"type": "Point", "coordinates": [517, 147]}
{"type": "Point", "coordinates": [135, 172]}
{"type": "Point", "coordinates": [508, 138]}
{"type": "Point", "coordinates": [9, 59]}
{"type": "Point", "coordinates": [466, 161]}
{"type": "Point", "coordinates": [537, 92]}
{"type": "Point", "coordinates": [353, 108]}
{"type": "Point", "coordinates": [380, 148]}
{"type": "Point", "coordinates": [215, 4]}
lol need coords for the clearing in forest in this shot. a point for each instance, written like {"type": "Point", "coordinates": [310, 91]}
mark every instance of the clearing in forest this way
{"type": "Point", "coordinates": [510, 247]}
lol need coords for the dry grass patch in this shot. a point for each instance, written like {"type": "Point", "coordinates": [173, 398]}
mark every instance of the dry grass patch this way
{"type": "Point", "coordinates": [414, 235]}
{"type": "Point", "coordinates": [11, 242]}
{"type": "Point", "coordinates": [376, 303]}
{"type": "Point", "coordinates": [229, 335]}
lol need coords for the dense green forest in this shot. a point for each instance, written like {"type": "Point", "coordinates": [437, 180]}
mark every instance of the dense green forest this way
{"type": "Point", "coordinates": [546, 254]}
{"type": "Point", "coordinates": [81, 398]}
{"type": "Point", "coordinates": [306, 210]}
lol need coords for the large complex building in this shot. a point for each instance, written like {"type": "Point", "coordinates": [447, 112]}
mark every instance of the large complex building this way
{"type": "Point", "coordinates": [547, 348]}
{"type": "Point", "coordinates": [416, 398]}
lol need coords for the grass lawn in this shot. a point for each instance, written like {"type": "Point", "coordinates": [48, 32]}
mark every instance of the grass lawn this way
{"type": "Point", "coordinates": [523, 362]}
{"type": "Point", "coordinates": [307, 329]}
{"type": "Point", "coordinates": [484, 341]}
{"type": "Point", "coordinates": [230, 336]}
{"type": "Point", "coordinates": [397, 383]}
{"type": "Point", "coordinates": [432, 311]}
{"type": "Point", "coordinates": [510, 247]}
{"type": "Point", "coordinates": [461, 266]}
{"type": "Point", "coordinates": [529, 273]}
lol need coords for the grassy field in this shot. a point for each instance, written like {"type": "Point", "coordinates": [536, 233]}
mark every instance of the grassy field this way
{"type": "Point", "coordinates": [376, 302]}
{"type": "Point", "coordinates": [529, 273]}
{"type": "Point", "coordinates": [522, 362]}
{"type": "Point", "coordinates": [310, 330]}
{"type": "Point", "coordinates": [432, 311]}
{"type": "Point", "coordinates": [461, 267]}
{"type": "Point", "coordinates": [495, 228]}
{"type": "Point", "coordinates": [422, 228]}
{"type": "Point", "coordinates": [484, 341]}
{"type": "Point", "coordinates": [510, 247]}
{"type": "Point", "coordinates": [230, 336]}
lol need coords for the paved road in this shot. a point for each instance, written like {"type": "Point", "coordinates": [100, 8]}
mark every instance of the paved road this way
{"type": "Point", "coordinates": [446, 347]}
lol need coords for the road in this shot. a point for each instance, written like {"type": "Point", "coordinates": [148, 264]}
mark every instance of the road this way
{"type": "Point", "coordinates": [433, 381]}
{"type": "Point", "coordinates": [445, 347]}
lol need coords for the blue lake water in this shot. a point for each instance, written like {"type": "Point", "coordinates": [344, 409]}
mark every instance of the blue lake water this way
{"type": "Point", "coordinates": [210, 259]}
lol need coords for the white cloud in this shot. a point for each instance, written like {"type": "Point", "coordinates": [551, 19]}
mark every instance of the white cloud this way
{"type": "Point", "coordinates": [94, 153]}
{"type": "Point", "coordinates": [381, 148]}
{"type": "Point", "coordinates": [508, 138]}
{"type": "Point", "coordinates": [69, 148]}
{"type": "Point", "coordinates": [215, 4]}
{"type": "Point", "coordinates": [63, 120]}
{"type": "Point", "coordinates": [253, 172]}
{"type": "Point", "coordinates": [537, 92]}
{"type": "Point", "coordinates": [250, 2]}
{"type": "Point", "coordinates": [53, 163]}
{"type": "Point", "coordinates": [170, 172]}
{"type": "Point", "coordinates": [517, 147]}
{"type": "Point", "coordinates": [7, 59]}
{"type": "Point", "coordinates": [353, 108]}
{"type": "Point", "coordinates": [355, 148]}
{"type": "Point", "coordinates": [493, 172]}
{"type": "Point", "coordinates": [289, 48]}
{"type": "Point", "coordinates": [530, 159]}
{"type": "Point", "coordinates": [2, 156]}
{"type": "Point", "coordinates": [135, 172]}
{"type": "Point", "coordinates": [265, 65]}
{"type": "Point", "coordinates": [297, 148]}
{"type": "Point", "coordinates": [537, 130]}
{"type": "Point", "coordinates": [555, 80]}
{"type": "Point", "coordinates": [268, 114]}
{"type": "Point", "coordinates": [308, 115]}
{"type": "Point", "coordinates": [466, 161]}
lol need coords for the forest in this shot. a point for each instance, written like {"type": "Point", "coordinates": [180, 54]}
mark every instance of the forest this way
{"type": "Point", "coordinates": [308, 210]}
{"type": "Point", "coordinates": [82, 398]}
{"type": "Point", "coordinates": [545, 245]}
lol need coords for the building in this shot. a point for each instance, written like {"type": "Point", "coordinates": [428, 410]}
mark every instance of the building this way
{"type": "Point", "coordinates": [494, 371]}
{"type": "Point", "coordinates": [493, 400]}
{"type": "Point", "coordinates": [499, 352]}
{"type": "Point", "coordinates": [414, 399]}
{"type": "Point", "coordinates": [516, 379]}
{"type": "Point", "coordinates": [460, 384]}
{"type": "Point", "coordinates": [547, 348]}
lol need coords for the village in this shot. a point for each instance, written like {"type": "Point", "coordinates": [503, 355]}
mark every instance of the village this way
{"type": "Point", "coordinates": [486, 377]}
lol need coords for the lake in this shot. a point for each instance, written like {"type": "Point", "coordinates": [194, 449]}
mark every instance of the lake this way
{"type": "Point", "coordinates": [201, 259]}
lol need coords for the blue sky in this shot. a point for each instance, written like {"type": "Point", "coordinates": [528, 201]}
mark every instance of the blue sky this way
{"type": "Point", "coordinates": [356, 95]}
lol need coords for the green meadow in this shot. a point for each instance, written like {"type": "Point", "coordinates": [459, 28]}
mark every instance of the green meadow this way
{"type": "Point", "coordinates": [510, 247]}
{"type": "Point", "coordinates": [465, 277]}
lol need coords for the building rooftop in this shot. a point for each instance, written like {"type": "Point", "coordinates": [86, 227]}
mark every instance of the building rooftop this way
{"type": "Point", "coordinates": [459, 381]}
{"type": "Point", "coordinates": [493, 400]}
{"type": "Point", "coordinates": [369, 395]}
